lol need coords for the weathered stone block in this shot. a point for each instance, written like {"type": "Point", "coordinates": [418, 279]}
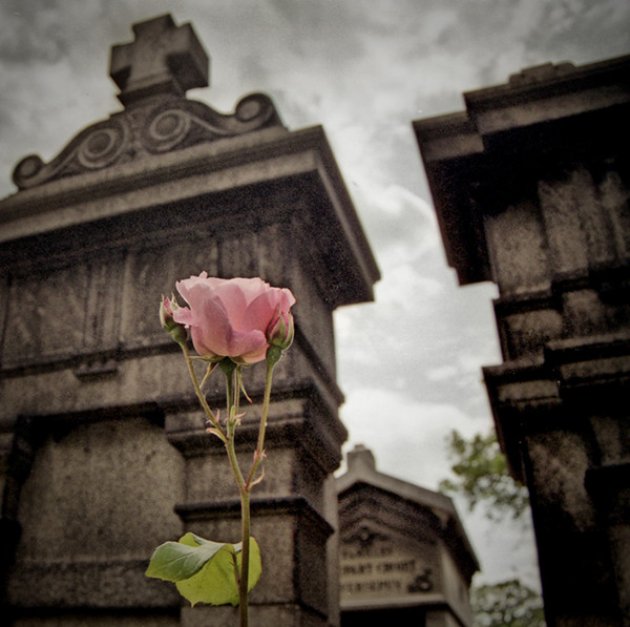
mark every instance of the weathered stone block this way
{"type": "Point", "coordinates": [541, 177]}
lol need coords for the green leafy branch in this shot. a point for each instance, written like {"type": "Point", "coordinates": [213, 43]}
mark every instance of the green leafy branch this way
{"type": "Point", "coordinates": [482, 477]}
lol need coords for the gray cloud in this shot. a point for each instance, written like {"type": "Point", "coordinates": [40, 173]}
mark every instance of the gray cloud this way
{"type": "Point", "coordinates": [31, 31]}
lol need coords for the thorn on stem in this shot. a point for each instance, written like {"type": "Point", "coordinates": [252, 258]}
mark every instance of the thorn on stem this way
{"type": "Point", "coordinates": [216, 432]}
{"type": "Point", "coordinates": [258, 479]}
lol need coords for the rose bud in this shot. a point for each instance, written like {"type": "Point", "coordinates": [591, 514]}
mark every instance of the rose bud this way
{"type": "Point", "coordinates": [175, 330]}
{"type": "Point", "coordinates": [281, 330]}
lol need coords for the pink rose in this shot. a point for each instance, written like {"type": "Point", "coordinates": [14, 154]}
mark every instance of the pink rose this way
{"type": "Point", "coordinates": [232, 317]}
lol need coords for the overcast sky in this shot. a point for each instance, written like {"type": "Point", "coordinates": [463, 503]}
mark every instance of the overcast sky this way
{"type": "Point", "coordinates": [409, 364]}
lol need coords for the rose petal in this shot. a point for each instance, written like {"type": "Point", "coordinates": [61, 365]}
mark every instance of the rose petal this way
{"type": "Point", "coordinates": [235, 302]}
{"type": "Point", "coordinates": [286, 298]}
{"type": "Point", "coordinates": [183, 315]}
{"type": "Point", "coordinates": [259, 312]}
{"type": "Point", "coordinates": [251, 288]}
{"type": "Point", "coordinates": [188, 286]}
{"type": "Point", "coordinates": [216, 328]}
{"type": "Point", "coordinates": [250, 346]}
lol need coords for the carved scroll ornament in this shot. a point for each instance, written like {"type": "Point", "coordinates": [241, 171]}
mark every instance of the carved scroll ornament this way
{"type": "Point", "coordinates": [170, 124]}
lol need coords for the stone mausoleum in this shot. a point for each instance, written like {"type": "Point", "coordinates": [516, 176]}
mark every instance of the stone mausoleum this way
{"type": "Point", "coordinates": [404, 558]}
{"type": "Point", "coordinates": [531, 186]}
{"type": "Point", "coordinates": [103, 449]}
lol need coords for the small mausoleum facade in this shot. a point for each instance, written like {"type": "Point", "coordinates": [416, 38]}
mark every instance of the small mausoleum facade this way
{"type": "Point", "coordinates": [404, 556]}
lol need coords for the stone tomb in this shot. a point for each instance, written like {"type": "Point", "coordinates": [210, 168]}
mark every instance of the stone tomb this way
{"type": "Point", "coordinates": [102, 446]}
{"type": "Point", "coordinates": [405, 559]}
{"type": "Point", "coordinates": [531, 186]}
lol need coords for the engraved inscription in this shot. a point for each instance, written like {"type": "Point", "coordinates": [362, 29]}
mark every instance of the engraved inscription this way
{"type": "Point", "coordinates": [379, 568]}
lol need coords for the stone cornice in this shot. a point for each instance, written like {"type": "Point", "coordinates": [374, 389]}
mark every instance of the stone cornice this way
{"type": "Point", "coordinates": [261, 506]}
{"type": "Point", "coordinates": [223, 167]}
{"type": "Point", "coordinates": [531, 394]}
{"type": "Point", "coordinates": [545, 118]}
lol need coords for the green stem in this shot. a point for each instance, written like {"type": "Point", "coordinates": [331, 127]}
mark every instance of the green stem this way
{"type": "Point", "coordinates": [232, 396]}
{"type": "Point", "coordinates": [234, 384]}
{"type": "Point", "coordinates": [231, 428]}
{"type": "Point", "coordinates": [200, 395]}
{"type": "Point", "coordinates": [245, 527]}
{"type": "Point", "coordinates": [245, 498]}
{"type": "Point", "coordinates": [262, 429]}
{"type": "Point", "coordinates": [236, 389]}
{"type": "Point", "coordinates": [244, 579]}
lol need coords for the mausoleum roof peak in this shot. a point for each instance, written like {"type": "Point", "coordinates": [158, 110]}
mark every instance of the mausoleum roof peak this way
{"type": "Point", "coordinates": [362, 469]}
{"type": "Point", "coordinates": [153, 74]}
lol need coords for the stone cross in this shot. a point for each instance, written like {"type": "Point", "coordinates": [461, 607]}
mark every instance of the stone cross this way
{"type": "Point", "coordinates": [163, 59]}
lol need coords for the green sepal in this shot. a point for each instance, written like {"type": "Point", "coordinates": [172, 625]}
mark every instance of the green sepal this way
{"type": "Point", "coordinates": [274, 353]}
{"type": "Point", "coordinates": [204, 571]}
{"type": "Point", "coordinates": [227, 365]}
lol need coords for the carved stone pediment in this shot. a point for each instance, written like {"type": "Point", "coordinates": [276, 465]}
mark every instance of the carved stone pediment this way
{"type": "Point", "coordinates": [164, 124]}
{"type": "Point", "coordinates": [153, 73]}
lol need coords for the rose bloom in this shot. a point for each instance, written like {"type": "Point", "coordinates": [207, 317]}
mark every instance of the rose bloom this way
{"type": "Point", "coordinates": [232, 317]}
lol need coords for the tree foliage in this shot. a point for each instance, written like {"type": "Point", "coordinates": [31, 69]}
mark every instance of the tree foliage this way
{"type": "Point", "coordinates": [481, 477]}
{"type": "Point", "coordinates": [507, 604]}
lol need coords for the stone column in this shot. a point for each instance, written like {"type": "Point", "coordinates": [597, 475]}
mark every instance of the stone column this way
{"type": "Point", "coordinates": [103, 447]}
{"type": "Point", "coordinates": [531, 189]}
